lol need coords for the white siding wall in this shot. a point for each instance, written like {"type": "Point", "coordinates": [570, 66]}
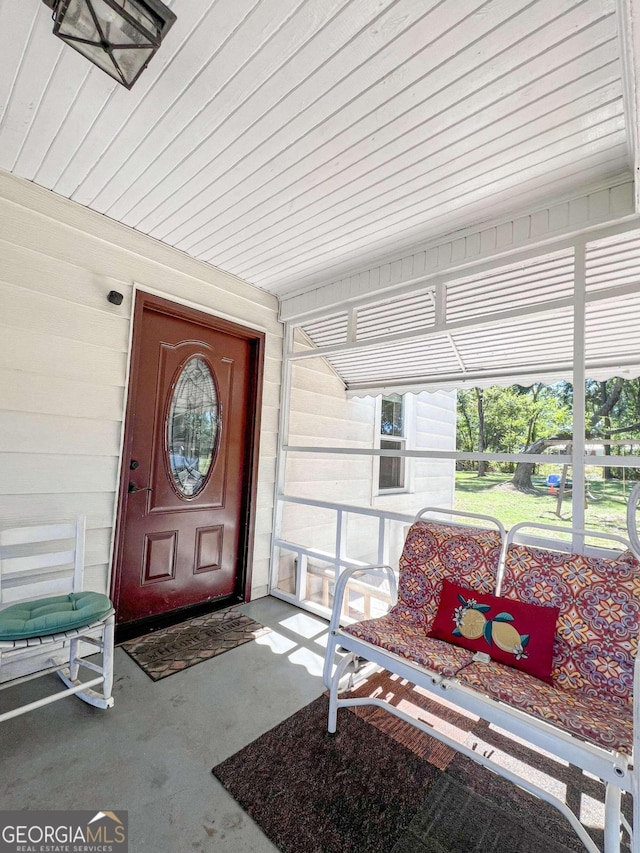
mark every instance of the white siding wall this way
{"type": "Point", "coordinates": [64, 353]}
{"type": "Point", "coordinates": [322, 415]}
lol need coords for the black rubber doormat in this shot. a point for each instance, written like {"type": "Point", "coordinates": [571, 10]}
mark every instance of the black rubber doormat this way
{"type": "Point", "coordinates": [167, 651]}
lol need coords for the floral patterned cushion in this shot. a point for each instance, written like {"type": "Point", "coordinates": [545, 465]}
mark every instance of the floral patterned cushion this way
{"type": "Point", "coordinates": [604, 721]}
{"type": "Point", "coordinates": [434, 551]}
{"type": "Point", "coordinates": [410, 642]}
{"type": "Point", "coordinates": [597, 632]}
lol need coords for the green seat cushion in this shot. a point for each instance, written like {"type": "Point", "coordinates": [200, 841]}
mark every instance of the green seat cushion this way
{"type": "Point", "coordinates": [52, 615]}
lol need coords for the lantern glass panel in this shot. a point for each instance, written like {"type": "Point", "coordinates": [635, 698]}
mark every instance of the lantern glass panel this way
{"type": "Point", "coordinates": [145, 18]}
{"type": "Point", "coordinates": [78, 22]}
{"type": "Point", "coordinates": [131, 62]}
{"type": "Point", "coordinates": [96, 54]}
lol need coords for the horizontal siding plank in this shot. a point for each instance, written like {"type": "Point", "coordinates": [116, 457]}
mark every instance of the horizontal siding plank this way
{"type": "Point", "coordinates": [323, 384]}
{"type": "Point", "coordinates": [95, 578]}
{"type": "Point", "coordinates": [31, 269]}
{"type": "Point", "coordinates": [48, 508]}
{"type": "Point", "coordinates": [338, 491]}
{"type": "Point", "coordinates": [40, 352]}
{"type": "Point", "coordinates": [42, 313]}
{"type": "Point", "coordinates": [273, 366]}
{"type": "Point", "coordinates": [23, 474]}
{"type": "Point", "coordinates": [35, 589]}
{"type": "Point", "coordinates": [330, 426]}
{"type": "Point", "coordinates": [268, 444]}
{"type": "Point", "coordinates": [270, 418]}
{"type": "Point", "coordinates": [52, 395]}
{"type": "Point", "coordinates": [34, 433]}
{"type": "Point", "coordinates": [98, 549]}
{"type": "Point", "coordinates": [303, 400]}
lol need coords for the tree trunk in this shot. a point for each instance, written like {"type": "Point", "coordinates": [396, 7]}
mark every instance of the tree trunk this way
{"type": "Point", "coordinates": [467, 420]}
{"type": "Point", "coordinates": [522, 475]}
{"type": "Point", "coordinates": [482, 466]}
{"type": "Point", "coordinates": [609, 400]}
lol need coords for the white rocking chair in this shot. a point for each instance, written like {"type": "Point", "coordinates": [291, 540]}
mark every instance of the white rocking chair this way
{"type": "Point", "coordinates": [42, 604]}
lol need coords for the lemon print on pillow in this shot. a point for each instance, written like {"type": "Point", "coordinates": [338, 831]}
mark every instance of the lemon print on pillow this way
{"type": "Point", "coordinates": [472, 624]}
{"type": "Point", "coordinates": [505, 636]}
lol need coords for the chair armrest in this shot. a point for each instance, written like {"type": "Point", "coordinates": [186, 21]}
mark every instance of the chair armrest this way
{"type": "Point", "coordinates": [345, 577]}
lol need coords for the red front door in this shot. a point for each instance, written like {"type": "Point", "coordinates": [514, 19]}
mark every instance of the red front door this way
{"type": "Point", "coordinates": [187, 464]}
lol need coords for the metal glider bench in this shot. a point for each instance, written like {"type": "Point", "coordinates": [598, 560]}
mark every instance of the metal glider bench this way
{"type": "Point", "coordinates": [533, 635]}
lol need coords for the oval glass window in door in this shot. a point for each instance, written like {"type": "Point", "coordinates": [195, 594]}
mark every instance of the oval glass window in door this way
{"type": "Point", "coordinates": [192, 427]}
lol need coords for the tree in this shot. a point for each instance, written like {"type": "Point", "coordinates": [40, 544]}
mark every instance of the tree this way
{"type": "Point", "coordinates": [465, 429]}
{"type": "Point", "coordinates": [606, 404]}
{"type": "Point", "coordinates": [506, 420]}
{"type": "Point", "coordinates": [482, 465]}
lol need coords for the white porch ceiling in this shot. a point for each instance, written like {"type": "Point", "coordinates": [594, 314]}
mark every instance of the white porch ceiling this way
{"type": "Point", "coordinates": [278, 138]}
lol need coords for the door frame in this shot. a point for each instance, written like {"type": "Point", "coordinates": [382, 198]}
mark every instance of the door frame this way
{"type": "Point", "coordinates": [256, 342]}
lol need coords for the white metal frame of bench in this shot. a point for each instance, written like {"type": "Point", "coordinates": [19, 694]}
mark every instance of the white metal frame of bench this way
{"type": "Point", "coordinates": [614, 769]}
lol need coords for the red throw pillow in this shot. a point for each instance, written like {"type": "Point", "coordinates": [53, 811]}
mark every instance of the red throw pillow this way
{"type": "Point", "coordinates": [511, 632]}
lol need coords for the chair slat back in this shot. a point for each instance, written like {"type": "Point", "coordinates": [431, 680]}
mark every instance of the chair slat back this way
{"type": "Point", "coordinates": [37, 533]}
{"type": "Point", "coordinates": [32, 562]}
{"type": "Point", "coordinates": [37, 561]}
{"type": "Point", "coordinates": [35, 590]}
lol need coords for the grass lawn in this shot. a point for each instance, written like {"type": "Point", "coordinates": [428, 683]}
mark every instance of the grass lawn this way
{"type": "Point", "coordinates": [494, 495]}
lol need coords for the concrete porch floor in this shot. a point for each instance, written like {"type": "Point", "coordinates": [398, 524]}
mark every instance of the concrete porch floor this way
{"type": "Point", "coordinates": [152, 753]}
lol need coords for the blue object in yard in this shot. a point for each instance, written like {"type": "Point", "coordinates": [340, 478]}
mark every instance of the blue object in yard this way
{"type": "Point", "coordinates": [553, 480]}
{"type": "Point", "coordinates": [179, 462]}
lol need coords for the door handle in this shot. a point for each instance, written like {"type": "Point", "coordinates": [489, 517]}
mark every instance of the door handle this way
{"type": "Point", "coordinates": [133, 488]}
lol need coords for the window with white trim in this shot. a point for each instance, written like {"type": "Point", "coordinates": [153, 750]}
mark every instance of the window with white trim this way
{"type": "Point", "coordinates": [392, 470]}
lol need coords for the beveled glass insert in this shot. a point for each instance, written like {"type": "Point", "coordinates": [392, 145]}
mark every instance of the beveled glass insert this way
{"type": "Point", "coordinates": [192, 428]}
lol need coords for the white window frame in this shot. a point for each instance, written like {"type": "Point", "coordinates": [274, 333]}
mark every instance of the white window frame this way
{"type": "Point", "coordinates": [405, 442]}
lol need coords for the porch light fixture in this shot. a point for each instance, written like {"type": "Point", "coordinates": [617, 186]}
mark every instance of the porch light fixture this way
{"type": "Point", "coordinates": [119, 36]}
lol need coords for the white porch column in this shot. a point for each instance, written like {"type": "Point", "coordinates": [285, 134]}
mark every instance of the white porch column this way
{"type": "Point", "coordinates": [579, 426]}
